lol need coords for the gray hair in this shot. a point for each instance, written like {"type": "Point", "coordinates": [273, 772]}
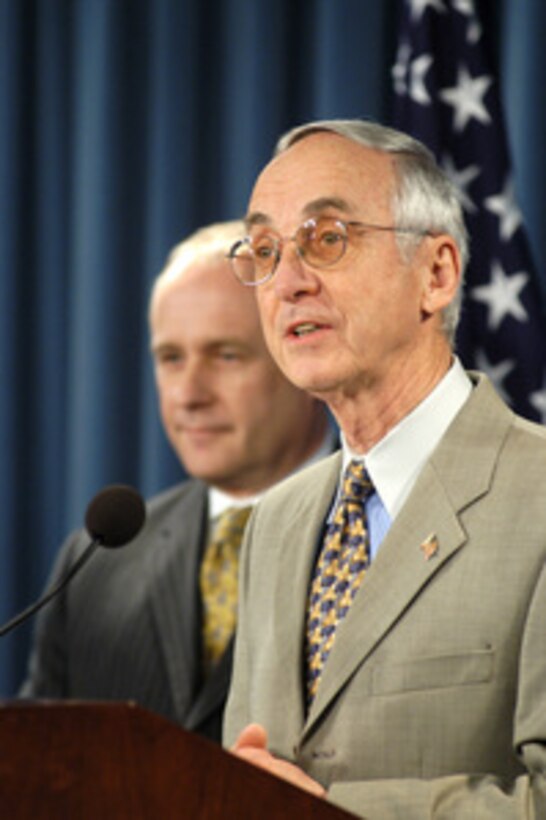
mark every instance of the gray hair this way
{"type": "Point", "coordinates": [425, 199]}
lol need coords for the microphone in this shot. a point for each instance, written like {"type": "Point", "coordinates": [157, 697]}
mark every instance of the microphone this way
{"type": "Point", "coordinates": [113, 518]}
{"type": "Point", "coordinates": [115, 515]}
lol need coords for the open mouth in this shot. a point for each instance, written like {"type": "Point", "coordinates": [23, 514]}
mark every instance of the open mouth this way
{"type": "Point", "coordinates": [305, 328]}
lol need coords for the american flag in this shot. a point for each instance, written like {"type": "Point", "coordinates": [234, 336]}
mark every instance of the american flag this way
{"type": "Point", "coordinates": [445, 94]}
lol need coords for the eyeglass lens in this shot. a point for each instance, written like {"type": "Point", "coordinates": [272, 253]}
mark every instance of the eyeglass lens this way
{"type": "Point", "coordinates": [320, 242]}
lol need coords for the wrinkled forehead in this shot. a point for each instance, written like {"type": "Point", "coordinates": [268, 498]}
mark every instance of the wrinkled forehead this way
{"type": "Point", "coordinates": [322, 172]}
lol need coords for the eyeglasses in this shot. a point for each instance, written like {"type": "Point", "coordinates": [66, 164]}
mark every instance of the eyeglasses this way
{"type": "Point", "coordinates": [320, 242]}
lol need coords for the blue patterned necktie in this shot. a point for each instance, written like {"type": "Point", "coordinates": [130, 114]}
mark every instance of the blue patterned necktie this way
{"type": "Point", "coordinates": [342, 563]}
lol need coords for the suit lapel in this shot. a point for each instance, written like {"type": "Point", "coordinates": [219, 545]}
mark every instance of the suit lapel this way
{"type": "Point", "coordinates": [395, 578]}
{"type": "Point", "coordinates": [174, 596]}
{"type": "Point", "coordinates": [424, 536]}
{"type": "Point", "coordinates": [296, 547]}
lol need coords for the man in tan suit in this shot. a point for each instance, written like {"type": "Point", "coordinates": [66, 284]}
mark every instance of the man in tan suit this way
{"type": "Point", "coordinates": [426, 696]}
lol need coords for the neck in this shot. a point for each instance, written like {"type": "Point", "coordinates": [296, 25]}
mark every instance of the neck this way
{"type": "Point", "coordinates": [368, 414]}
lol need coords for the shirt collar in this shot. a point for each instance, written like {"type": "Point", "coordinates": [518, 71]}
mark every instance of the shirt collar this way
{"type": "Point", "coordinates": [395, 462]}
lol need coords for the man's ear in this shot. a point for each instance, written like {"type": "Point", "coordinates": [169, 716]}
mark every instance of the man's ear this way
{"type": "Point", "coordinates": [442, 273]}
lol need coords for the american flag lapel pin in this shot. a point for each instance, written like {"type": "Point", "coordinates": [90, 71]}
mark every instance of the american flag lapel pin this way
{"type": "Point", "coordinates": [430, 546]}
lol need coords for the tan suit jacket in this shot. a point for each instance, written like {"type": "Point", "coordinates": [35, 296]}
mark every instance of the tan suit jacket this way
{"type": "Point", "coordinates": [433, 700]}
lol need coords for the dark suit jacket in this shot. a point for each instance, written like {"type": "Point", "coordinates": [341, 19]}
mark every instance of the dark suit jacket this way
{"type": "Point", "coordinates": [433, 699]}
{"type": "Point", "coordinates": [128, 626]}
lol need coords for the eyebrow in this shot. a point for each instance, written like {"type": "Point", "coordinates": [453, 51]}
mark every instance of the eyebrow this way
{"type": "Point", "coordinates": [161, 347]}
{"type": "Point", "coordinates": [313, 208]}
{"type": "Point", "coordinates": [316, 206]}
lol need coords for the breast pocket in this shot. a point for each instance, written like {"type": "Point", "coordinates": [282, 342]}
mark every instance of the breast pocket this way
{"type": "Point", "coordinates": [434, 672]}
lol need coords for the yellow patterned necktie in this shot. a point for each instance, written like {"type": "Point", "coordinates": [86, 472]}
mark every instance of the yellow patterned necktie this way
{"type": "Point", "coordinates": [218, 582]}
{"type": "Point", "coordinates": [342, 563]}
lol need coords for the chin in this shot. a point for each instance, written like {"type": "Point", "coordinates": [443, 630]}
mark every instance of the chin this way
{"type": "Point", "coordinates": [206, 469]}
{"type": "Point", "coordinates": [311, 382]}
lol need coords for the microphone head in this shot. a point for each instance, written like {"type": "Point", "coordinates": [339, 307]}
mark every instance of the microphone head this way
{"type": "Point", "coordinates": [115, 515]}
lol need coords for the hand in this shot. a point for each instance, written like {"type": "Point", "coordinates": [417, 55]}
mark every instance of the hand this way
{"type": "Point", "coordinates": [251, 745]}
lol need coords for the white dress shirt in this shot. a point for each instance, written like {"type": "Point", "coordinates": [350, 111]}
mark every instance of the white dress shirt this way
{"type": "Point", "coordinates": [394, 463]}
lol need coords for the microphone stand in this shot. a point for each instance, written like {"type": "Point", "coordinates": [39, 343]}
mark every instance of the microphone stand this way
{"type": "Point", "coordinates": [30, 610]}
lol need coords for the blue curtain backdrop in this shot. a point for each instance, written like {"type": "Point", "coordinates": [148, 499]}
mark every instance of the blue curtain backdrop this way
{"type": "Point", "coordinates": [125, 124]}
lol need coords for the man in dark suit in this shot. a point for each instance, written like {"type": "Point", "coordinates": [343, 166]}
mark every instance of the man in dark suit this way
{"type": "Point", "coordinates": [134, 624]}
{"type": "Point", "coordinates": [403, 581]}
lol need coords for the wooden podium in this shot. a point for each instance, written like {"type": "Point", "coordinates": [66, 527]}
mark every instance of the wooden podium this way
{"type": "Point", "coordinates": [117, 761]}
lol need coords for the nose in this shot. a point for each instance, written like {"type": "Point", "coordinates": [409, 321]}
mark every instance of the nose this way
{"type": "Point", "coordinates": [191, 387]}
{"type": "Point", "coordinates": [293, 278]}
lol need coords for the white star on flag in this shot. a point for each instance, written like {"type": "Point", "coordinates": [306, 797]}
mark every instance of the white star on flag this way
{"type": "Point", "coordinates": [505, 207]}
{"type": "Point", "coordinates": [462, 179]}
{"type": "Point", "coordinates": [538, 400]}
{"type": "Point", "coordinates": [474, 30]}
{"type": "Point", "coordinates": [409, 75]}
{"type": "Point", "coordinates": [496, 372]}
{"type": "Point", "coordinates": [501, 295]}
{"type": "Point", "coordinates": [399, 70]}
{"type": "Point", "coordinates": [467, 98]}
{"type": "Point", "coordinates": [464, 7]}
{"type": "Point", "coordinates": [419, 6]}
{"type": "Point", "coordinates": [417, 88]}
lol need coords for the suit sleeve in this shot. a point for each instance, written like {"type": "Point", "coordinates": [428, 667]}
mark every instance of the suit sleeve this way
{"type": "Point", "coordinates": [47, 675]}
{"type": "Point", "coordinates": [476, 795]}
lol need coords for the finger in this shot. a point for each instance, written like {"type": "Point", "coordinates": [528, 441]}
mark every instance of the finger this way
{"type": "Point", "coordinates": [252, 735]}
